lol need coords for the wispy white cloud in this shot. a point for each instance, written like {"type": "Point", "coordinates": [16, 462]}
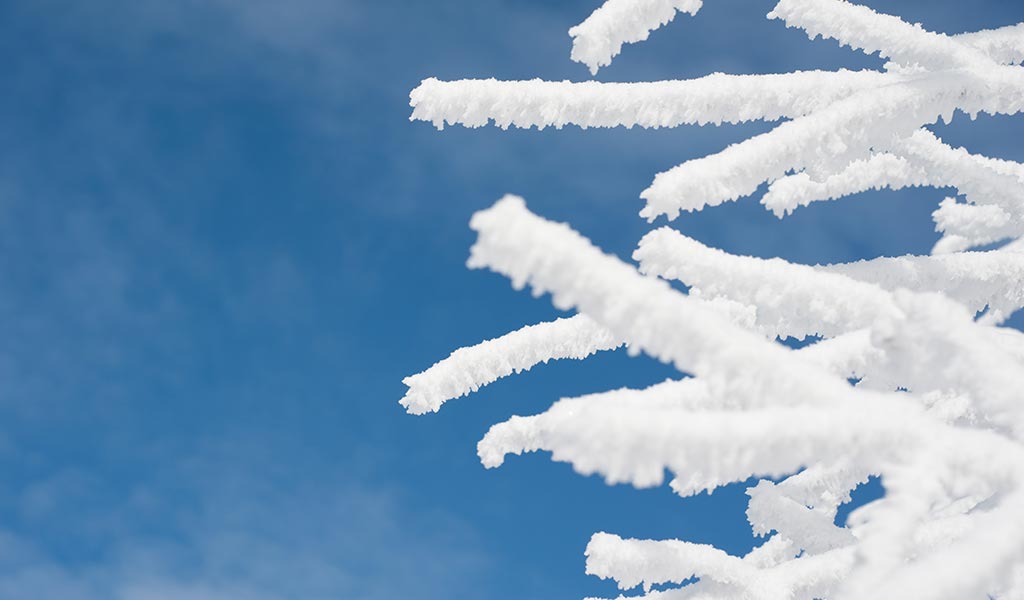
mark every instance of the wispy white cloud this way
{"type": "Point", "coordinates": [209, 526]}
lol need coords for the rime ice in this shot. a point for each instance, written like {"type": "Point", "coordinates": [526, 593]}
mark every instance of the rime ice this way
{"type": "Point", "coordinates": [938, 407]}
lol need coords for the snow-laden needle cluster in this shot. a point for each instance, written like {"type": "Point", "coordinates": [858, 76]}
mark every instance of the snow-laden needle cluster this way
{"type": "Point", "coordinates": [911, 376]}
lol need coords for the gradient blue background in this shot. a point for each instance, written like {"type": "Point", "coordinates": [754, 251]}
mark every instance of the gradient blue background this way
{"type": "Point", "coordinates": [222, 246]}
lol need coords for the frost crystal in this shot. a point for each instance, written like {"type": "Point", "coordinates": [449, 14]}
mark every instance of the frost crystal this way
{"type": "Point", "coordinates": [937, 407]}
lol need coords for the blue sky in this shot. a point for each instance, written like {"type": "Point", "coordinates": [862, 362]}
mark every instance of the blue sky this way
{"type": "Point", "coordinates": [222, 246]}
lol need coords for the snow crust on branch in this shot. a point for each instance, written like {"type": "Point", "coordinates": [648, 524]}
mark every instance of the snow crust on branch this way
{"type": "Point", "coordinates": [881, 170]}
{"type": "Point", "coordinates": [599, 39]}
{"type": "Point", "coordinates": [909, 376]}
{"type": "Point", "coordinates": [658, 561]}
{"type": "Point", "coordinates": [977, 280]}
{"type": "Point", "coordinates": [796, 299]}
{"type": "Point", "coordinates": [799, 300]}
{"type": "Point", "coordinates": [468, 369]}
{"type": "Point", "coordinates": [1004, 45]}
{"type": "Point", "coordinates": [716, 98]}
{"type": "Point", "coordinates": [861, 28]}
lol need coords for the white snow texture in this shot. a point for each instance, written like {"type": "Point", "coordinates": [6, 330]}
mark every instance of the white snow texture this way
{"type": "Point", "coordinates": [909, 374]}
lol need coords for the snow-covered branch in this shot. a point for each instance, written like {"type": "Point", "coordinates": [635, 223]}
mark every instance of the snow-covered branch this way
{"type": "Point", "coordinates": [468, 369]}
{"type": "Point", "coordinates": [599, 39]}
{"type": "Point", "coordinates": [977, 280]}
{"type": "Point", "coordinates": [1004, 45]}
{"type": "Point", "coordinates": [795, 300]}
{"type": "Point", "coordinates": [861, 28]}
{"type": "Point", "coordinates": [716, 99]}
{"type": "Point", "coordinates": [881, 170]}
{"type": "Point", "coordinates": [918, 160]}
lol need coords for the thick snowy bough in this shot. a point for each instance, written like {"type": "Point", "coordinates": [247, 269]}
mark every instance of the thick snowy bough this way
{"type": "Point", "coordinates": [716, 98]}
{"type": "Point", "coordinates": [937, 408]}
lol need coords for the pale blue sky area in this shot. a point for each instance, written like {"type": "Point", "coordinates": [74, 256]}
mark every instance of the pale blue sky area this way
{"type": "Point", "coordinates": [223, 244]}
